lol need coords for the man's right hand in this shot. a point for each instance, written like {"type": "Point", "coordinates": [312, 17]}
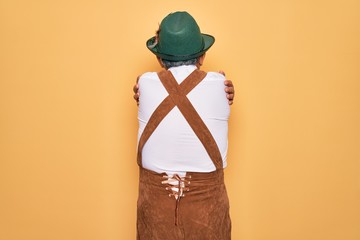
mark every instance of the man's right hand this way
{"type": "Point", "coordinates": [136, 91]}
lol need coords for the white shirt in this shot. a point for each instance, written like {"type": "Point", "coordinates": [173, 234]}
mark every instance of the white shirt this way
{"type": "Point", "coordinates": [174, 147]}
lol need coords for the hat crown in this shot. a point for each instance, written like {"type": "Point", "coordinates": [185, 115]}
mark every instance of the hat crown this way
{"type": "Point", "coordinates": [180, 35]}
{"type": "Point", "coordinates": [179, 38]}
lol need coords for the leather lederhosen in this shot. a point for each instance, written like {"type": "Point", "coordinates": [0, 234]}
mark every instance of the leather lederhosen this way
{"type": "Point", "coordinates": [199, 207]}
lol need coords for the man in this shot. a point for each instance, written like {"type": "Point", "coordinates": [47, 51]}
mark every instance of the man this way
{"type": "Point", "coordinates": [182, 148]}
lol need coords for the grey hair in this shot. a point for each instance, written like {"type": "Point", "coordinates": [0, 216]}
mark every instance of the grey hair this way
{"type": "Point", "coordinates": [168, 64]}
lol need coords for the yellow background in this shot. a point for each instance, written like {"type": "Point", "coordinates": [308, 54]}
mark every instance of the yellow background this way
{"type": "Point", "coordinates": [68, 122]}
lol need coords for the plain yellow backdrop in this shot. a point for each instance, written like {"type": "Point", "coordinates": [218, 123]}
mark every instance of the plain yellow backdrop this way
{"type": "Point", "coordinates": [68, 122]}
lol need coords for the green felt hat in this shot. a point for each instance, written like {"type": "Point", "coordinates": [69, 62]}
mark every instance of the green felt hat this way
{"type": "Point", "coordinates": [179, 38]}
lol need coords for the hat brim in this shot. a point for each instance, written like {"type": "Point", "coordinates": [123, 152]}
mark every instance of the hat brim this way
{"type": "Point", "coordinates": [208, 42]}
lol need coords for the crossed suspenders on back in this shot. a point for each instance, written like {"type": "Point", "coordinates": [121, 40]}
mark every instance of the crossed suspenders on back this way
{"type": "Point", "coordinates": [177, 97]}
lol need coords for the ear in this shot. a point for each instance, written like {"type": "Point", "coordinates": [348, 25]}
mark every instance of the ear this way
{"type": "Point", "coordinates": [201, 60]}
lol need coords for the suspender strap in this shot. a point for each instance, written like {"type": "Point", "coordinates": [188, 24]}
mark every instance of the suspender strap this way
{"type": "Point", "coordinates": [177, 97]}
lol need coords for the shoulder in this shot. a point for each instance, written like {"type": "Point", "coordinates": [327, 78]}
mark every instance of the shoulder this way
{"type": "Point", "coordinates": [148, 75]}
{"type": "Point", "coordinates": [149, 82]}
{"type": "Point", "coordinates": [215, 76]}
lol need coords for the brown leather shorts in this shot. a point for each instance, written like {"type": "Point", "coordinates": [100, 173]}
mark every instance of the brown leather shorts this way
{"type": "Point", "coordinates": [199, 210]}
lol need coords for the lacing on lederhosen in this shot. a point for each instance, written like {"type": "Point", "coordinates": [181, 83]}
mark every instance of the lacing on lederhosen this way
{"type": "Point", "coordinates": [177, 191]}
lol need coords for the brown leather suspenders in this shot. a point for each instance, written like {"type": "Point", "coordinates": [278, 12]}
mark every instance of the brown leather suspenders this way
{"type": "Point", "coordinates": [177, 97]}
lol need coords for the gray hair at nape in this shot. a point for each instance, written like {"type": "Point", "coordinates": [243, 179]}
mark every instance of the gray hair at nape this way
{"type": "Point", "coordinates": [168, 64]}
